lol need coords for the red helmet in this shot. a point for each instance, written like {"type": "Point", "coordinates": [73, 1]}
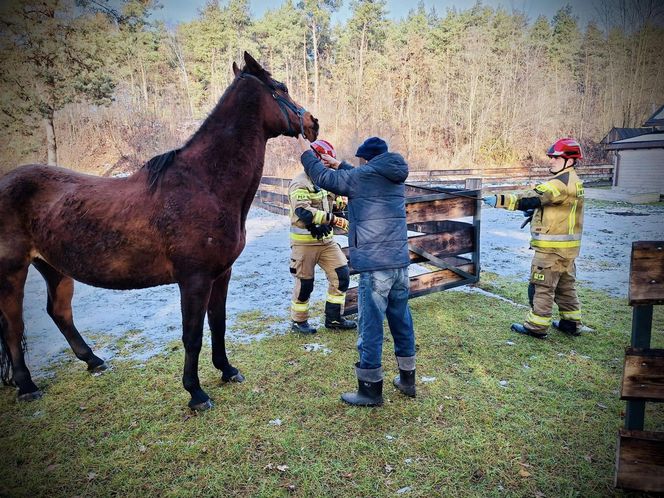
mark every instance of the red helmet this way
{"type": "Point", "coordinates": [323, 147]}
{"type": "Point", "coordinates": [567, 148]}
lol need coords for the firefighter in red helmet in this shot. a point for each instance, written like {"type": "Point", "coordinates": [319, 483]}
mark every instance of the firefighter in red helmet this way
{"type": "Point", "coordinates": [555, 210]}
{"type": "Point", "coordinates": [312, 243]}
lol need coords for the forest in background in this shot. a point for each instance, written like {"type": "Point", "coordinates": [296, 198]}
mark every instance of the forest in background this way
{"type": "Point", "coordinates": [101, 87]}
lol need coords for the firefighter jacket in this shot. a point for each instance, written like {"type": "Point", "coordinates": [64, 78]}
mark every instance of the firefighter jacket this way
{"type": "Point", "coordinates": [557, 221]}
{"type": "Point", "coordinates": [304, 194]}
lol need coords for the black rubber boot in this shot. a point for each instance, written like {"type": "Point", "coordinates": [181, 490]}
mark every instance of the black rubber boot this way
{"type": "Point", "coordinates": [568, 327]}
{"type": "Point", "coordinates": [369, 388]}
{"type": "Point", "coordinates": [405, 382]}
{"type": "Point", "coordinates": [303, 327]}
{"type": "Point", "coordinates": [334, 320]}
{"type": "Point", "coordinates": [521, 329]}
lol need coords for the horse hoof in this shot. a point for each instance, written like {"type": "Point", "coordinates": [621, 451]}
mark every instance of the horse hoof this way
{"type": "Point", "coordinates": [201, 407]}
{"type": "Point", "coordinates": [238, 377]}
{"type": "Point", "coordinates": [99, 368]}
{"type": "Point", "coordinates": [30, 396]}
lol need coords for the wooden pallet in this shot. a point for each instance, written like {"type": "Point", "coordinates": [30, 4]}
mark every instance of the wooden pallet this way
{"type": "Point", "coordinates": [445, 233]}
{"type": "Point", "coordinates": [640, 454]}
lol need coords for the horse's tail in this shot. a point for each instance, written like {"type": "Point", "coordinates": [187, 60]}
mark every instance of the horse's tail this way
{"type": "Point", "coordinates": [5, 359]}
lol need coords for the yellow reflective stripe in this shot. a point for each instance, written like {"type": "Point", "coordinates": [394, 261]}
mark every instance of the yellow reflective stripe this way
{"type": "Point", "coordinates": [546, 236]}
{"type": "Point", "coordinates": [336, 299]}
{"type": "Point", "coordinates": [579, 189]}
{"type": "Point", "coordinates": [572, 218]}
{"type": "Point", "coordinates": [319, 216]}
{"type": "Point", "coordinates": [300, 306]}
{"type": "Point", "coordinates": [555, 243]}
{"type": "Point", "coordinates": [302, 194]}
{"type": "Point", "coordinates": [512, 204]}
{"type": "Point", "coordinates": [548, 187]}
{"type": "Point", "coordinates": [308, 238]}
{"type": "Point", "coordinates": [571, 315]}
{"type": "Point", "coordinates": [544, 321]}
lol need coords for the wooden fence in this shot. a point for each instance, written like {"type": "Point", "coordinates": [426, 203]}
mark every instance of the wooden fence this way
{"type": "Point", "coordinates": [640, 454]}
{"type": "Point", "coordinates": [508, 178]}
{"type": "Point", "coordinates": [444, 227]}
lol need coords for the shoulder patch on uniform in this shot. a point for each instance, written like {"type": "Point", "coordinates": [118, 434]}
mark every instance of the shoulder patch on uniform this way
{"type": "Point", "coordinates": [563, 178]}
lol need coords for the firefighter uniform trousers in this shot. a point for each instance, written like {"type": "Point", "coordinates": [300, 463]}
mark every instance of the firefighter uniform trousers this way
{"type": "Point", "coordinates": [332, 261]}
{"type": "Point", "coordinates": [552, 279]}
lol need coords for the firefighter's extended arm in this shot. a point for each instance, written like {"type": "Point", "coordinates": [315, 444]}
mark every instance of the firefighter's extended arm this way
{"type": "Point", "coordinates": [551, 192]}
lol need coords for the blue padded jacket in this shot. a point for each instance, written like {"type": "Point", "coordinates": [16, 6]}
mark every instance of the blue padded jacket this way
{"type": "Point", "coordinates": [378, 235]}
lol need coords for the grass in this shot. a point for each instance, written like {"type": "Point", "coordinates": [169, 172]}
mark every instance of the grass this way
{"type": "Point", "coordinates": [550, 431]}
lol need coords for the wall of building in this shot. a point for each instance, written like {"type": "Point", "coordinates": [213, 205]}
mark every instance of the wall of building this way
{"type": "Point", "coordinates": [641, 169]}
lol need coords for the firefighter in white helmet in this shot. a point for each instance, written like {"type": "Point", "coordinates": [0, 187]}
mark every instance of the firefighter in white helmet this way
{"type": "Point", "coordinates": [555, 208]}
{"type": "Point", "coordinates": [312, 243]}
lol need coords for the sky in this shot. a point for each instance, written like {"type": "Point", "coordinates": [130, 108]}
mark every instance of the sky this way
{"type": "Point", "coordinates": [175, 11]}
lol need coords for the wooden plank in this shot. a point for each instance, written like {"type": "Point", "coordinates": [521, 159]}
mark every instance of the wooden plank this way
{"type": "Point", "coordinates": [441, 209]}
{"type": "Point", "coordinates": [350, 308]}
{"type": "Point", "coordinates": [420, 285]}
{"type": "Point", "coordinates": [448, 255]}
{"type": "Point", "coordinates": [646, 274]}
{"type": "Point", "coordinates": [643, 375]}
{"type": "Point", "coordinates": [640, 461]}
{"type": "Point", "coordinates": [273, 198]}
{"type": "Point", "coordinates": [441, 245]}
{"type": "Point", "coordinates": [437, 280]}
{"type": "Point", "coordinates": [273, 180]}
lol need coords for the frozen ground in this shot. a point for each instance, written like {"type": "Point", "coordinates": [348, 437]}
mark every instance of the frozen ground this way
{"type": "Point", "coordinates": [261, 280]}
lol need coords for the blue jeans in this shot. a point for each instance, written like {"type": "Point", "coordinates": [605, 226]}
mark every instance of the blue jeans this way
{"type": "Point", "coordinates": [384, 293]}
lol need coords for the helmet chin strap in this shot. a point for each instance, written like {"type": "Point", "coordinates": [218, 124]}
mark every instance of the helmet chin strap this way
{"type": "Point", "coordinates": [564, 166]}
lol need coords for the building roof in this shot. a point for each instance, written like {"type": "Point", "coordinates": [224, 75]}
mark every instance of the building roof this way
{"type": "Point", "coordinates": [648, 141]}
{"type": "Point", "coordinates": [622, 133]}
{"type": "Point", "coordinates": [656, 119]}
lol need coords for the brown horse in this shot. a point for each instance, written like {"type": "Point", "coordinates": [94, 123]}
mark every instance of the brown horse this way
{"type": "Point", "coordinates": [179, 219]}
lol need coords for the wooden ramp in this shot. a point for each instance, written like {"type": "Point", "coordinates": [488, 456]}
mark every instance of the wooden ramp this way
{"type": "Point", "coordinates": [640, 454]}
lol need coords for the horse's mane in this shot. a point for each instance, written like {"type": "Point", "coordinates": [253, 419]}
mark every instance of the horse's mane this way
{"type": "Point", "coordinates": [157, 166]}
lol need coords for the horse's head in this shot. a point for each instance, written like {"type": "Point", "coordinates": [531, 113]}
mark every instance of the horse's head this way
{"type": "Point", "coordinates": [285, 116]}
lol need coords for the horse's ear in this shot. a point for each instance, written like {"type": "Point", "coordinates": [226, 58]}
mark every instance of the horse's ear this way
{"type": "Point", "coordinates": [236, 70]}
{"type": "Point", "coordinates": [251, 63]}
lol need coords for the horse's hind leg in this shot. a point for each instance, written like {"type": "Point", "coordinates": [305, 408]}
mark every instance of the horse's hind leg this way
{"type": "Point", "coordinates": [12, 329]}
{"type": "Point", "coordinates": [216, 314]}
{"type": "Point", "coordinates": [58, 306]}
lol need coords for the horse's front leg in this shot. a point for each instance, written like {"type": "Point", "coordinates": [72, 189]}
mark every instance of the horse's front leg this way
{"type": "Point", "coordinates": [217, 321]}
{"type": "Point", "coordinates": [194, 296]}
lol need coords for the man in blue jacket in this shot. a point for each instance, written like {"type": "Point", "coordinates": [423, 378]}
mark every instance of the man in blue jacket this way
{"type": "Point", "coordinates": [378, 243]}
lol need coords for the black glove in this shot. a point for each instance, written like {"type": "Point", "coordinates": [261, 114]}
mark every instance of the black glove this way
{"type": "Point", "coordinates": [528, 213]}
{"type": "Point", "coordinates": [319, 231]}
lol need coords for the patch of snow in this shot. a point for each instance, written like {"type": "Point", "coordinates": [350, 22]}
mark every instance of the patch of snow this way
{"type": "Point", "coordinates": [477, 290]}
{"type": "Point", "coordinates": [317, 347]}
